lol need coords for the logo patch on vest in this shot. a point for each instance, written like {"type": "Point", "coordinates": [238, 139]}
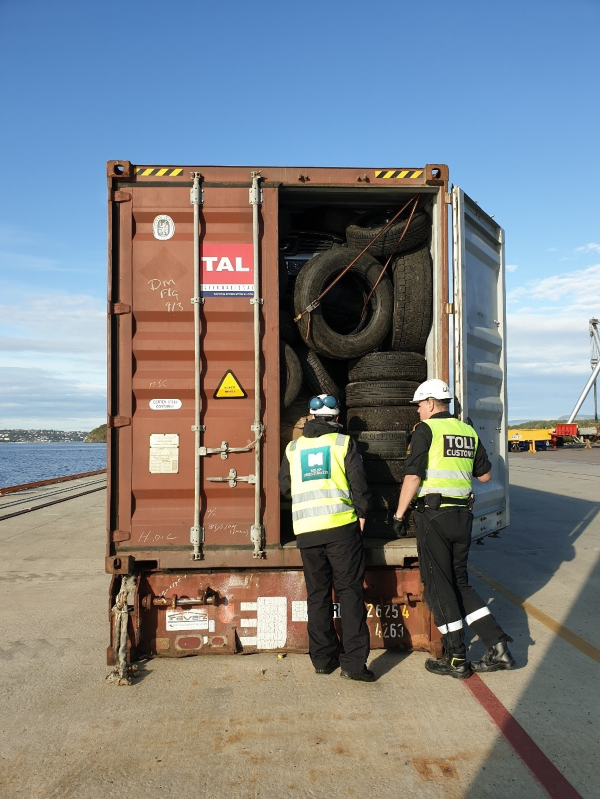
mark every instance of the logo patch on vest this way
{"type": "Point", "coordinates": [459, 447]}
{"type": "Point", "coordinates": [316, 463]}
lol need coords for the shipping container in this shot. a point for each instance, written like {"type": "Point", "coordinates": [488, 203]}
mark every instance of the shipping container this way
{"type": "Point", "coordinates": [235, 293]}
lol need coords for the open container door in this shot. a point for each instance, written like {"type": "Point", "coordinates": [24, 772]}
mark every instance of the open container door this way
{"type": "Point", "coordinates": [479, 350]}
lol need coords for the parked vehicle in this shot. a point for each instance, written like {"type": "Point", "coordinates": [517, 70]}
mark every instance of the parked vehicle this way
{"type": "Point", "coordinates": [205, 388]}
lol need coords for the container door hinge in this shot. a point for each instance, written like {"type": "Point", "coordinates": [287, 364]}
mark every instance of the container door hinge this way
{"type": "Point", "coordinates": [255, 194]}
{"type": "Point", "coordinates": [118, 308]}
{"type": "Point", "coordinates": [120, 535]}
{"type": "Point", "coordinates": [449, 307]}
{"type": "Point", "coordinates": [121, 196]}
{"type": "Point", "coordinates": [448, 198]}
{"type": "Point", "coordinates": [199, 427]}
{"type": "Point", "coordinates": [233, 479]}
{"type": "Point", "coordinates": [118, 421]}
{"type": "Point", "coordinates": [197, 192]}
{"type": "Point", "coordinates": [257, 538]}
{"type": "Point", "coordinates": [196, 540]}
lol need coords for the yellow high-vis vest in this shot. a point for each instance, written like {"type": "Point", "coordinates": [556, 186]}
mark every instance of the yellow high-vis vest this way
{"type": "Point", "coordinates": [451, 459]}
{"type": "Point", "coordinates": [321, 496]}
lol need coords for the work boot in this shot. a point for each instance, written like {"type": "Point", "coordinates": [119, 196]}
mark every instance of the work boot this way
{"type": "Point", "coordinates": [451, 665]}
{"type": "Point", "coordinates": [335, 664]}
{"type": "Point", "coordinates": [497, 658]}
{"type": "Point", "coordinates": [366, 675]}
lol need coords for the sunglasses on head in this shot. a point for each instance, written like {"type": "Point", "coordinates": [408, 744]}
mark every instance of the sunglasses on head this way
{"type": "Point", "coordinates": [316, 403]}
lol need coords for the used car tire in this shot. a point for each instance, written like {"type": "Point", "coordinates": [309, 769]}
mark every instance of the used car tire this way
{"type": "Point", "coordinates": [413, 291]}
{"type": "Point", "coordinates": [389, 366]}
{"type": "Point", "coordinates": [396, 417]}
{"type": "Point", "coordinates": [384, 471]}
{"type": "Point", "coordinates": [381, 444]}
{"type": "Point", "coordinates": [364, 276]}
{"type": "Point", "coordinates": [290, 374]}
{"type": "Point", "coordinates": [362, 233]}
{"type": "Point", "coordinates": [316, 376]}
{"type": "Point", "coordinates": [380, 392]}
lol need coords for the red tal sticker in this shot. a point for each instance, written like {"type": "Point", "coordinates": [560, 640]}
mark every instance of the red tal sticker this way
{"type": "Point", "coordinates": [227, 270]}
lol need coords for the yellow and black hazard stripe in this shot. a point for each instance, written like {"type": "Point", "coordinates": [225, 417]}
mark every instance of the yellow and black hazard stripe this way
{"type": "Point", "coordinates": [153, 171]}
{"type": "Point", "coordinates": [411, 174]}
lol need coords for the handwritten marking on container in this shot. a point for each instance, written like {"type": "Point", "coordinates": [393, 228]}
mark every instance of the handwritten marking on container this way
{"type": "Point", "coordinates": [271, 613]}
{"type": "Point", "coordinates": [174, 584]}
{"type": "Point", "coordinates": [153, 538]}
{"type": "Point", "coordinates": [168, 292]}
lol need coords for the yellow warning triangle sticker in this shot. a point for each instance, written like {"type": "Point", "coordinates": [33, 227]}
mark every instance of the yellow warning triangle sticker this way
{"type": "Point", "coordinates": [229, 387]}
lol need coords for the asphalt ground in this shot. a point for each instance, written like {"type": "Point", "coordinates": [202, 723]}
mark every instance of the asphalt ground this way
{"type": "Point", "coordinates": [260, 726]}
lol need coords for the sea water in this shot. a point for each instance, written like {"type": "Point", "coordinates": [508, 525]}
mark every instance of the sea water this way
{"type": "Point", "coordinates": [28, 463]}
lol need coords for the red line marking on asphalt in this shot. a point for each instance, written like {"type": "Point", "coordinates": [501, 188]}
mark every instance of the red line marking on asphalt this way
{"type": "Point", "coordinates": [536, 761]}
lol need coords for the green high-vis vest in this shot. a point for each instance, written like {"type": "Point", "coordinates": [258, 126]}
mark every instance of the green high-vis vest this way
{"type": "Point", "coordinates": [451, 459]}
{"type": "Point", "coordinates": [321, 496]}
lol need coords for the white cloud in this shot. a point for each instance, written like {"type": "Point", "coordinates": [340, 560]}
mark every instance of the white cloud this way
{"type": "Point", "coordinates": [548, 343]}
{"type": "Point", "coordinates": [511, 267]}
{"type": "Point", "coordinates": [591, 247]}
{"type": "Point", "coordinates": [52, 360]}
{"type": "Point", "coordinates": [41, 398]}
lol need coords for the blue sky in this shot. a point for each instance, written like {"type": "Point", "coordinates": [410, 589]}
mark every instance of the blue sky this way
{"type": "Point", "coordinates": [505, 93]}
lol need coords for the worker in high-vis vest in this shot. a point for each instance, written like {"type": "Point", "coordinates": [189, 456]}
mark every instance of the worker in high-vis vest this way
{"type": "Point", "coordinates": [323, 474]}
{"type": "Point", "coordinates": [444, 456]}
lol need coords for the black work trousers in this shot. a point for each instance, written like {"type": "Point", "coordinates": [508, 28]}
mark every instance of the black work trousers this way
{"type": "Point", "coordinates": [339, 565]}
{"type": "Point", "coordinates": [443, 541]}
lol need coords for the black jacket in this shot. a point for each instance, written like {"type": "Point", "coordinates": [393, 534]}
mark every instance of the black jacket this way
{"type": "Point", "coordinates": [355, 472]}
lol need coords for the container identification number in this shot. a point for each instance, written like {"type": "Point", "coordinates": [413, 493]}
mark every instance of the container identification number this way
{"type": "Point", "coordinates": [389, 630]}
{"type": "Point", "coordinates": [382, 611]}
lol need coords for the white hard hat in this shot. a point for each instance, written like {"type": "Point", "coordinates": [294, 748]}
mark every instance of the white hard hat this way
{"type": "Point", "coordinates": [324, 405]}
{"type": "Point", "coordinates": [436, 389]}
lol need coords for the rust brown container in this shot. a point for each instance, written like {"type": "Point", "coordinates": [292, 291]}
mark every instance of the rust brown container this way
{"type": "Point", "coordinates": [199, 283]}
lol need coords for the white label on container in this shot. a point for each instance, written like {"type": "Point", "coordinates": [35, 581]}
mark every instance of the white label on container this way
{"type": "Point", "coordinates": [272, 622]}
{"type": "Point", "coordinates": [247, 605]}
{"type": "Point", "coordinates": [165, 404]}
{"type": "Point", "coordinates": [299, 611]}
{"type": "Point", "coordinates": [164, 453]}
{"type": "Point", "coordinates": [246, 641]}
{"type": "Point", "coordinates": [248, 622]}
{"type": "Point", "coordinates": [187, 620]}
{"type": "Point", "coordinates": [163, 227]}
{"type": "Point", "coordinates": [211, 625]}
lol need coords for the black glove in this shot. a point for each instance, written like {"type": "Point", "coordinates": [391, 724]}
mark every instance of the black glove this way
{"type": "Point", "coordinates": [399, 527]}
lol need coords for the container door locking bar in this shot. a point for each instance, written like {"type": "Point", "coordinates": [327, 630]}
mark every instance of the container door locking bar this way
{"type": "Point", "coordinates": [233, 479]}
{"type": "Point", "coordinates": [223, 450]}
{"type": "Point", "coordinates": [196, 530]}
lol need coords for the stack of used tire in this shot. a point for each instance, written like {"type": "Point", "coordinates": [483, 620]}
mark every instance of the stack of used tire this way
{"type": "Point", "coordinates": [364, 341]}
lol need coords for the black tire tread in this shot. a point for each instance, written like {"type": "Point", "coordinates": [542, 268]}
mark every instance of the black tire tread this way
{"type": "Point", "coordinates": [413, 292]}
{"type": "Point", "coordinates": [381, 444]}
{"type": "Point", "coordinates": [389, 366]}
{"type": "Point", "coordinates": [396, 417]}
{"type": "Point", "coordinates": [291, 374]}
{"type": "Point", "coordinates": [380, 392]}
{"type": "Point", "coordinates": [387, 244]}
